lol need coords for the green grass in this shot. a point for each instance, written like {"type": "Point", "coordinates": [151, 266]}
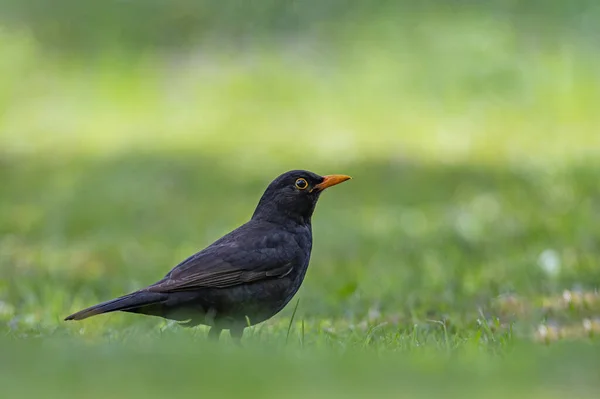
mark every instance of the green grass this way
{"type": "Point", "coordinates": [466, 243]}
{"type": "Point", "coordinates": [190, 369]}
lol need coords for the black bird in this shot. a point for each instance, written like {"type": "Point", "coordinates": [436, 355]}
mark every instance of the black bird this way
{"type": "Point", "coordinates": [246, 276]}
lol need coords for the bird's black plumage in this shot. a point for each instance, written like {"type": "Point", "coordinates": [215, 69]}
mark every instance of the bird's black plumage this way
{"type": "Point", "coordinates": [246, 276]}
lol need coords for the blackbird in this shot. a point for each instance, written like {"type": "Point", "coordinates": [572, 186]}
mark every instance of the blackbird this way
{"type": "Point", "coordinates": [246, 276]}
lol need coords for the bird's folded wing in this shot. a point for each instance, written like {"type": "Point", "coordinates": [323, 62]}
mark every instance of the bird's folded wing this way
{"type": "Point", "coordinates": [210, 270]}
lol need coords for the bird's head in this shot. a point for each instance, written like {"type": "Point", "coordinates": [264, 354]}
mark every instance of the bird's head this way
{"type": "Point", "coordinates": [292, 196]}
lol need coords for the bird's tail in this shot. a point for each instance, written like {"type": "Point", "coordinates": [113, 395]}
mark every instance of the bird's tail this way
{"type": "Point", "coordinates": [129, 302]}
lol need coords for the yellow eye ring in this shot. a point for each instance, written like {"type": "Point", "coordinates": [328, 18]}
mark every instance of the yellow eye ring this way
{"type": "Point", "coordinates": [301, 184]}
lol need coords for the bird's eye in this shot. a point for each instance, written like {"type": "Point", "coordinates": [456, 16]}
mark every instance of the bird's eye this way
{"type": "Point", "coordinates": [301, 184]}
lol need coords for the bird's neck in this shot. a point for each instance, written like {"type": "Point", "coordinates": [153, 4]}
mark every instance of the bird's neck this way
{"type": "Point", "coordinates": [281, 217]}
{"type": "Point", "coordinates": [283, 220]}
{"type": "Point", "coordinates": [287, 213]}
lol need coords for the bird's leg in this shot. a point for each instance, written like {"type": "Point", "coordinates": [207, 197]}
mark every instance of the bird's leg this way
{"type": "Point", "coordinates": [214, 333]}
{"type": "Point", "coordinates": [236, 334]}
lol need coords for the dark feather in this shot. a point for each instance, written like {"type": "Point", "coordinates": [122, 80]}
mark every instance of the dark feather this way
{"type": "Point", "coordinates": [226, 266]}
{"type": "Point", "coordinates": [128, 302]}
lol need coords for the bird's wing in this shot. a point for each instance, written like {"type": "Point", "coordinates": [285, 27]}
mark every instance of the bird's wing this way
{"type": "Point", "coordinates": [226, 266]}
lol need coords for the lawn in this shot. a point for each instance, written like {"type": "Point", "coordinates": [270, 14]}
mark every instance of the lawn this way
{"type": "Point", "coordinates": [461, 260]}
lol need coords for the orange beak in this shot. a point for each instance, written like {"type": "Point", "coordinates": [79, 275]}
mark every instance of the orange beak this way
{"type": "Point", "coordinates": [331, 180]}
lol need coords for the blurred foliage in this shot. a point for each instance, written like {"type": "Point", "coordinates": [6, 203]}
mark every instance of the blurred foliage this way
{"type": "Point", "coordinates": [135, 24]}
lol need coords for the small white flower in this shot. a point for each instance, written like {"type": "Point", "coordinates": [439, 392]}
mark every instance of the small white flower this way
{"type": "Point", "coordinates": [549, 262]}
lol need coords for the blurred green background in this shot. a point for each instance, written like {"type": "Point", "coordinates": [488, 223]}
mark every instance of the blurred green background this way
{"type": "Point", "coordinates": [133, 134]}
